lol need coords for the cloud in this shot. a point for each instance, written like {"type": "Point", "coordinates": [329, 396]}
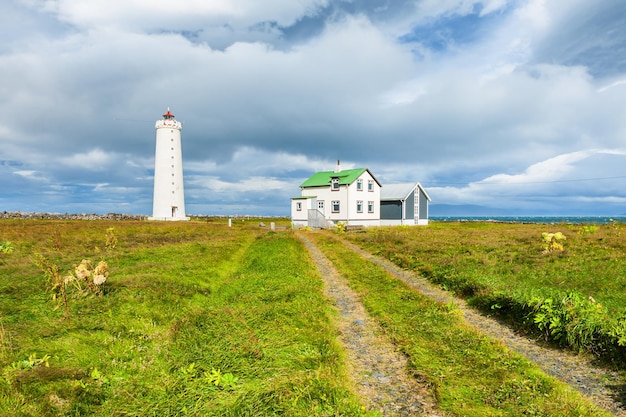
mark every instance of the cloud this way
{"type": "Point", "coordinates": [94, 160]}
{"type": "Point", "coordinates": [583, 35]}
{"type": "Point", "coordinates": [246, 185]}
{"type": "Point", "coordinates": [458, 94]}
{"type": "Point", "coordinates": [30, 175]}
{"type": "Point", "coordinates": [578, 177]}
{"type": "Point", "coordinates": [147, 14]}
{"type": "Point", "coordinates": [611, 85]}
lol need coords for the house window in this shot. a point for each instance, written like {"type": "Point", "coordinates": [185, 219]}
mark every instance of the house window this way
{"type": "Point", "coordinates": [320, 205]}
{"type": "Point", "coordinates": [299, 206]}
{"type": "Point", "coordinates": [335, 206]}
{"type": "Point", "coordinates": [334, 184]}
{"type": "Point", "coordinates": [359, 206]}
{"type": "Point", "coordinates": [370, 185]}
{"type": "Point", "coordinates": [370, 206]}
{"type": "Point", "coordinates": [359, 185]}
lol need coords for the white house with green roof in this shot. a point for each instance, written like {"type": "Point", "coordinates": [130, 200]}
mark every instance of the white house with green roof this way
{"type": "Point", "coordinates": [350, 196]}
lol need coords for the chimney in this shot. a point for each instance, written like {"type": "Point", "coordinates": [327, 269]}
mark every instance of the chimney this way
{"type": "Point", "coordinates": [338, 167]}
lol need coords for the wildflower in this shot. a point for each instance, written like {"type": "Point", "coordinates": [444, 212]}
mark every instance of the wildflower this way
{"type": "Point", "coordinates": [99, 279]}
{"type": "Point", "coordinates": [82, 270]}
{"type": "Point", "coordinates": [101, 269]}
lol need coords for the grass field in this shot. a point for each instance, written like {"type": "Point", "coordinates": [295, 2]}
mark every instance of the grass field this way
{"type": "Point", "coordinates": [471, 374]}
{"type": "Point", "coordinates": [199, 319]}
{"type": "Point", "coordinates": [196, 320]}
{"type": "Point", "coordinates": [574, 297]}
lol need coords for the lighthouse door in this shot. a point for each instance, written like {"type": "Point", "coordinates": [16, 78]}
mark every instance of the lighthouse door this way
{"type": "Point", "coordinates": [174, 211]}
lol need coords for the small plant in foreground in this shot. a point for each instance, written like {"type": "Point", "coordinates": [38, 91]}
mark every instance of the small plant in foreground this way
{"type": "Point", "coordinates": [97, 376]}
{"type": "Point", "coordinates": [220, 380]}
{"type": "Point", "coordinates": [588, 229]}
{"type": "Point", "coordinates": [55, 283]}
{"type": "Point", "coordinates": [111, 239]}
{"type": "Point", "coordinates": [552, 242]}
{"type": "Point", "coordinates": [574, 321]}
{"type": "Point", "coordinates": [215, 378]}
{"type": "Point", "coordinates": [4, 340]}
{"type": "Point", "coordinates": [6, 247]}
{"type": "Point", "coordinates": [24, 365]}
{"type": "Point", "coordinates": [341, 227]}
{"type": "Point", "coordinates": [95, 382]}
{"type": "Point", "coordinates": [84, 278]}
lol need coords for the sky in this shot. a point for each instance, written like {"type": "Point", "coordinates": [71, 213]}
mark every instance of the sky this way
{"type": "Point", "coordinates": [497, 107]}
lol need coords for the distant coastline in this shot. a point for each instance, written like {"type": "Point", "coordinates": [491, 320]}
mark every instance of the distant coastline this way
{"type": "Point", "coordinates": [534, 219]}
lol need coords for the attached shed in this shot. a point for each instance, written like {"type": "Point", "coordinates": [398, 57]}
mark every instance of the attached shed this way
{"type": "Point", "coordinates": [403, 204]}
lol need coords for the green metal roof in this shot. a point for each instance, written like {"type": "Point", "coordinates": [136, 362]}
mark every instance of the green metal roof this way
{"type": "Point", "coordinates": [346, 176]}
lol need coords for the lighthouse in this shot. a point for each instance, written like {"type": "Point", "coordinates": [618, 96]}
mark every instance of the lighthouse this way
{"type": "Point", "coordinates": [169, 193]}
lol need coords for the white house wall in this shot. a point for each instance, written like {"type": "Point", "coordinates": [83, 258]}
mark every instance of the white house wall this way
{"type": "Point", "coordinates": [305, 205]}
{"type": "Point", "coordinates": [348, 195]}
{"type": "Point", "coordinates": [318, 192]}
{"type": "Point", "coordinates": [353, 195]}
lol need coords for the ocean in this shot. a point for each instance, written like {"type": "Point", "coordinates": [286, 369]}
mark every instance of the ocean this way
{"type": "Point", "coordinates": [533, 219]}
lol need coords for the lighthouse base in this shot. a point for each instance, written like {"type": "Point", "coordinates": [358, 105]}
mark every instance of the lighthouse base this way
{"type": "Point", "coordinates": [169, 219]}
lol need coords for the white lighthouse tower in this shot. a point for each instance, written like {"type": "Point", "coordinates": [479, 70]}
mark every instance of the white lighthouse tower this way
{"type": "Point", "coordinates": [169, 193]}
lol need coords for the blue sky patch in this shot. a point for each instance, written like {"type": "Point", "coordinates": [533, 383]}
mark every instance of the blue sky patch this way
{"type": "Point", "coordinates": [452, 31]}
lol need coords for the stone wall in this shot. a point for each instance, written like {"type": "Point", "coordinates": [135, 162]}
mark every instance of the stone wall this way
{"type": "Point", "coordinates": [67, 216]}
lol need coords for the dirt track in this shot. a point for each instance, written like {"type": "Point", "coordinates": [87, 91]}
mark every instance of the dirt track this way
{"type": "Point", "coordinates": [378, 370]}
{"type": "Point", "coordinates": [390, 389]}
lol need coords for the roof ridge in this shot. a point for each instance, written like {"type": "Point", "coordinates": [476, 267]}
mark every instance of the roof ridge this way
{"type": "Point", "coordinates": [323, 178]}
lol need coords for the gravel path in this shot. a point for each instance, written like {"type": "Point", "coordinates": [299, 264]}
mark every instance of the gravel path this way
{"type": "Point", "coordinates": [600, 385]}
{"type": "Point", "coordinates": [378, 370]}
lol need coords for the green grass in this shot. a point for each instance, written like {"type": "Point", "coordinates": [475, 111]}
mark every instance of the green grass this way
{"type": "Point", "coordinates": [574, 297]}
{"type": "Point", "coordinates": [197, 319]}
{"type": "Point", "coordinates": [471, 374]}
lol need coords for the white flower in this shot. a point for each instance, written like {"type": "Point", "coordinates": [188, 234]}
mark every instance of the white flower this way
{"type": "Point", "coordinates": [99, 279]}
{"type": "Point", "coordinates": [82, 270]}
{"type": "Point", "coordinates": [101, 269]}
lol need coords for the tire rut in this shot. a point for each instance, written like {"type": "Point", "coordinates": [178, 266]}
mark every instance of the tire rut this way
{"type": "Point", "coordinates": [600, 385]}
{"type": "Point", "coordinates": [378, 370]}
